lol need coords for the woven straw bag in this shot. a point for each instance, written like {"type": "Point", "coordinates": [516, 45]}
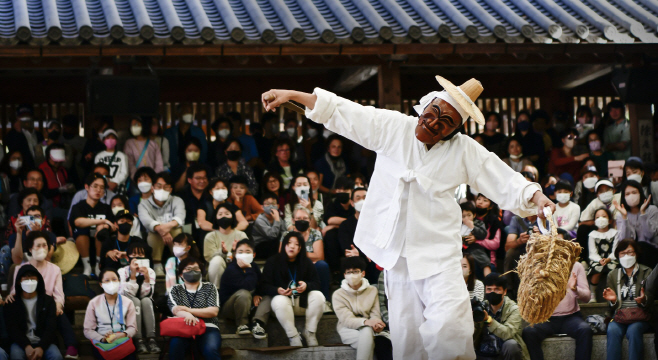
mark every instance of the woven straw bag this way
{"type": "Point", "coordinates": [544, 272]}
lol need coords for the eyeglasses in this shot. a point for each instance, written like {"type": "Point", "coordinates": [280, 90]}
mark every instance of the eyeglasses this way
{"type": "Point", "coordinates": [572, 137]}
{"type": "Point", "coordinates": [197, 178]}
{"type": "Point", "coordinates": [354, 272]}
{"type": "Point", "coordinates": [630, 252]}
{"type": "Point", "coordinates": [98, 187]}
{"type": "Point", "coordinates": [272, 181]}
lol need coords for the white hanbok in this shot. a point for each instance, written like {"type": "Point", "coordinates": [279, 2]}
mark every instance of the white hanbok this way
{"type": "Point", "coordinates": [410, 221]}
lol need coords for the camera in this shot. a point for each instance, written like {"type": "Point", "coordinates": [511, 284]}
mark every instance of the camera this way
{"type": "Point", "coordinates": [478, 309]}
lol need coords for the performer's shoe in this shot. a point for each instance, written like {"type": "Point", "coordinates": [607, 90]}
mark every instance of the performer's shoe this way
{"type": "Point", "coordinates": [296, 340]}
{"type": "Point", "coordinates": [311, 340]}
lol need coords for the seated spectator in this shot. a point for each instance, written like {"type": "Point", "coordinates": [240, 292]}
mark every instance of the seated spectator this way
{"type": "Point", "coordinates": [94, 145]}
{"type": "Point", "coordinates": [235, 165]}
{"type": "Point", "coordinates": [194, 193]}
{"type": "Point", "coordinates": [27, 198]}
{"type": "Point", "coordinates": [518, 234]}
{"type": "Point", "coordinates": [602, 244]}
{"type": "Point", "coordinates": [332, 166]}
{"type": "Point", "coordinates": [488, 212]}
{"type": "Point", "coordinates": [314, 178]}
{"type": "Point", "coordinates": [156, 136]}
{"type": "Point", "coordinates": [223, 129]}
{"type": "Point", "coordinates": [57, 179]}
{"type": "Point", "coordinates": [91, 219]}
{"type": "Point", "coordinates": [604, 198]}
{"type": "Point", "coordinates": [163, 216]}
{"type": "Point", "coordinates": [625, 291]}
{"type": "Point", "coordinates": [143, 179]}
{"type": "Point", "coordinates": [532, 170]}
{"type": "Point", "coordinates": [356, 304]}
{"type": "Point", "coordinates": [140, 150]}
{"type": "Point", "coordinates": [246, 141]}
{"type": "Point", "coordinates": [291, 280]}
{"type": "Point", "coordinates": [360, 180]}
{"type": "Point", "coordinates": [53, 131]}
{"type": "Point", "coordinates": [584, 121]}
{"type": "Point", "coordinates": [33, 179]}
{"type": "Point", "coordinates": [291, 134]}
{"type": "Point", "coordinates": [179, 137]}
{"type": "Point", "coordinates": [192, 155]}
{"type": "Point", "coordinates": [313, 143]}
{"type": "Point", "coordinates": [110, 316]}
{"type": "Point", "coordinates": [563, 160]}
{"type": "Point", "coordinates": [314, 248]}
{"type": "Point", "coordinates": [238, 291]}
{"type": "Point", "coordinates": [283, 162]}
{"type": "Point", "coordinates": [474, 286]}
{"type": "Point", "coordinates": [37, 245]}
{"type": "Point", "coordinates": [617, 137]}
{"type": "Point", "coordinates": [584, 191]}
{"type": "Point", "coordinates": [244, 201]}
{"type": "Point", "coordinates": [566, 318]}
{"type": "Point", "coordinates": [12, 171]}
{"type": "Point", "coordinates": [548, 184]}
{"type": "Point", "coordinates": [531, 142]}
{"type": "Point", "coordinates": [300, 196]}
{"type": "Point", "coordinates": [596, 153]}
{"type": "Point", "coordinates": [494, 140]}
{"type": "Point", "coordinates": [138, 285]}
{"type": "Point", "coordinates": [116, 160]}
{"type": "Point", "coordinates": [268, 228]}
{"type": "Point", "coordinates": [115, 249]}
{"type": "Point", "coordinates": [474, 230]}
{"type": "Point", "coordinates": [195, 301]}
{"type": "Point", "coordinates": [32, 317]}
{"type": "Point", "coordinates": [207, 213]}
{"type": "Point", "coordinates": [499, 335]}
{"type": "Point", "coordinates": [17, 241]}
{"type": "Point", "coordinates": [637, 219]}
{"type": "Point", "coordinates": [219, 245]}
{"type": "Point", "coordinates": [119, 203]}
{"type": "Point", "coordinates": [184, 246]}
{"type": "Point", "coordinates": [81, 195]}
{"type": "Point", "coordinates": [273, 183]}
{"type": "Point", "coordinates": [634, 170]}
{"type": "Point", "coordinates": [515, 160]}
{"type": "Point", "coordinates": [566, 212]}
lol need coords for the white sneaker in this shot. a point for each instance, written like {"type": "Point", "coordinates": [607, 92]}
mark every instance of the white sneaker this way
{"type": "Point", "coordinates": [243, 330]}
{"type": "Point", "coordinates": [159, 271]}
{"type": "Point", "coordinates": [311, 340]}
{"type": "Point", "coordinates": [296, 340]}
{"type": "Point", "coordinates": [98, 270]}
{"type": "Point", "coordinates": [327, 307]}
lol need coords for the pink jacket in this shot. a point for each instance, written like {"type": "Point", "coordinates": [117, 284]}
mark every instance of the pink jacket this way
{"type": "Point", "coordinates": [97, 318]}
{"type": "Point", "coordinates": [52, 278]}
{"type": "Point", "coordinates": [491, 244]}
{"type": "Point", "coordinates": [152, 158]}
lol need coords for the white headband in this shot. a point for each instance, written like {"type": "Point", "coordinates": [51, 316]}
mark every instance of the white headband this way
{"type": "Point", "coordinates": [443, 95]}
{"type": "Point", "coordinates": [57, 155]}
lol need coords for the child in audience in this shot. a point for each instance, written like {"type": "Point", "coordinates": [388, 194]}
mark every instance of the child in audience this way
{"type": "Point", "coordinates": [488, 212]}
{"type": "Point", "coordinates": [184, 246]}
{"type": "Point", "coordinates": [219, 245]}
{"type": "Point", "coordinates": [602, 244]}
{"type": "Point", "coordinates": [240, 197]}
{"type": "Point", "coordinates": [474, 286]}
{"type": "Point", "coordinates": [119, 203]}
{"type": "Point", "coordinates": [473, 230]}
{"type": "Point", "coordinates": [114, 250]}
{"type": "Point", "coordinates": [567, 212]}
{"type": "Point", "coordinates": [143, 181]}
{"type": "Point", "coordinates": [115, 159]}
{"type": "Point", "coordinates": [268, 227]}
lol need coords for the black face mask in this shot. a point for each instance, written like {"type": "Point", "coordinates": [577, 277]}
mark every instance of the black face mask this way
{"type": "Point", "coordinates": [480, 211]}
{"type": "Point", "coordinates": [124, 229]}
{"type": "Point", "coordinates": [302, 225]}
{"type": "Point", "coordinates": [69, 136]}
{"type": "Point", "coordinates": [225, 222]}
{"type": "Point", "coordinates": [494, 298]}
{"type": "Point", "coordinates": [343, 198]}
{"type": "Point", "coordinates": [54, 135]}
{"type": "Point", "coordinates": [192, 276]}
{"type": "Point", "coordinates": [233, 155]}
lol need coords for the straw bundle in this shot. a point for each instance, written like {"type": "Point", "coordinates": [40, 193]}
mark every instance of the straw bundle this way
{"type": "Point", "coordinates": [544, 272]}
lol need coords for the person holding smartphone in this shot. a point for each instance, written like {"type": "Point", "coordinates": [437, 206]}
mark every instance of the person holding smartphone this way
{"type": "Point", "coordinates": [300, 196]}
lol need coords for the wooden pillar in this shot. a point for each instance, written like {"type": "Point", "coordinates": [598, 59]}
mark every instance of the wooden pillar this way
{"type": "Point", "coordinates": [389, 86]}
{"type": "Point", "coordinates": [642, 132]}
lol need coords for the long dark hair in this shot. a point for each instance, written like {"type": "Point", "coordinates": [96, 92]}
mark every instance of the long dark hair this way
{"type": "Point", "coordinates": [294, 199]}
{"type": "Point", "coordinates": [638, 186]}
{"type": "Point", "coordinates": [300, 240]}
{"type": "Point", "coordinates": [266, 179]}
{"type": "Point", "coordinates": [492, 219]}
{"type": "Point", "coordinates": [470, 282]}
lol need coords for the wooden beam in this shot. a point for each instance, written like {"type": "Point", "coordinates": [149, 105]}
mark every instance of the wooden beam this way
{"type": "Point", "coordinates": [576, 77]}
{"type": "Point", "coordinates": [353, 77]}
{"type": "Point", "coordinates": [641, 131]}
{"type": "Point", "coordinates": [127, 50]}
{"type": "Point", "coordinates": [196, 50]}
{"type": "Point", "coordinates": [389, 86]}
{"type": "Point", "coordinates": [359, 49]}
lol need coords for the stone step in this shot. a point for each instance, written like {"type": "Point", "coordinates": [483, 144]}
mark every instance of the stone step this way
{"type": "Point", "coordinates": [564, 348]}
{"type": "Point", "coordinates": [316, 353]}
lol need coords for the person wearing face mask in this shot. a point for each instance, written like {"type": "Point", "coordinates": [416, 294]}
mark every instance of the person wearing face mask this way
{"type": "Point", "coordinates": [625, 291]}
{"type": "Point", "coordinates": [192, 157]}
{"type": "Point", "coordinates": [300, 196]}
{"type": "Point", "coordinates": [138, 285]}
{"type": "Point", "coordinates": [531, 142]}
{"type": "Point", "coordinates": [184, 247]}
{"type": "Point", "coordinates": [163, 216]}
{"type": "Point", "coordinates": [37, 245]}
{"type": "Point", "coordinates": [584, 192]}
{"type": "Point", "coordinates": [567, 212]}
{"type": "Point", "coordinates": [475, 287]}
{"type": "Point", "coordinates": [488, 212]}
{"type": "Point", "coordinates": [584, 119]}
{"type": "Point", "coordinates": [219, 245]}
{"type": "Point", "coordinates": [120, 203]}
{"type": "Point", "coordinates": [223, 129]}
{"type": "Point", "coordinates": [115, 249]}
{"type": "Point", "coordinates": [283, 161]}
{"type": "Point", "coordinates": [471, 231]}
{"type": "Point", "coordinates": [249, 149]}
{"type": "Point", "coordinates": [634, 170]}
{"type": "Point", "coordinates": [53, 135]}
{"type": "Point", "coordinates": [195, 301]}
{"type": "Point", "coordinates": [218, 193]}
{"type": "Point", "coordinates": [17, 241]}
{"type": "Point", "coordinates": [32, 317]}
{"type": "Point", "coordinates": [340, 208]}
{"type": "Point", "coordinates": [356, 305]}
{"type": "Point", "coordinates": [143, 181]}
{"type": "Point", "coordinates": [313, 143]}
{"type": "Point", "coordinates": [110, 316]}
{"type": "Point", "coordinates": [181, 133]}
{"type": "Point", "coordinates": [516, 160]}
{"type": "Point", "coordinates": [239, 289]}
{"type": "Point", "coordinates": [11, 172]}
{"type": "Point", "coordinates": [499, 335]}
{"type": "Point", "coordinates": [601, 249]}
{"type": "Point", "coordinates": [115, 159]}
{"type": "Point", "coordinates": [493, 140]}
{"type": "Point", "coordinates": [140, 150]}
{"type": "Point", "coordinates": [58, 188]}
{"type": "Point", "coordinates": [605, 195]}
{"type": "Point", "coordinates": [268, 227]}
{"type": "Point", "coordinates": [597, 153]}
{"type": "Point", "coordinates": [19, 139]}
{"type": "Point", "coordinates": [235, 165]}
{"type": "Point", "coordinates": [563, 160]}
{"type": "Point", "coordinates": [637, 219]}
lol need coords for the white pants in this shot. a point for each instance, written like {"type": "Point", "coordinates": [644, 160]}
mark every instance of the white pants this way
{"type": "Point", "coordinates": [216, 268]}
{"type": "Point", "coordinates": [429, 318]}
{"type": "Point", "coordinates": [285, 312]}
{"type": "Point", "coordinates": [362, 339]}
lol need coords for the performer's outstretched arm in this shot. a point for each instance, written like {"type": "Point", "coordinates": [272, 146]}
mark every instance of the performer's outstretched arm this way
{"type": "Point", "coordinates": [282, 96]}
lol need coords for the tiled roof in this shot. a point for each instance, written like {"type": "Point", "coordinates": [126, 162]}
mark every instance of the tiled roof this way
{"type": "Point", "coordinates": [73, 22]}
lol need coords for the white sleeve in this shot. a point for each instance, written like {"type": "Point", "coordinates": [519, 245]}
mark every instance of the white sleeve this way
{"type": "Point", "coordinates": [593, 254]}
{"type": "Point", "coordinates": [122, 172]}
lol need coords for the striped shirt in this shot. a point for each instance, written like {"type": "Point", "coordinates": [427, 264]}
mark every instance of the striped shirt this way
{"type": "Point", "coordinates": [205, 296]}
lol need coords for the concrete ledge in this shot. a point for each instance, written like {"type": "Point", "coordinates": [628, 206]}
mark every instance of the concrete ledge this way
{"type": "Point", "coordinates": [564, 348]}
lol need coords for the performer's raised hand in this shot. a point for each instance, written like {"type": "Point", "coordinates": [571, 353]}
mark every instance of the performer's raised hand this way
{"type": "Point", "coordinates": [272, 99]}
{"type": "Point", "coordinates": [542, 201]}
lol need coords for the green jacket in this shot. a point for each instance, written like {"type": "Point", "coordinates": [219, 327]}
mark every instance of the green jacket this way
{"type": "Point", "coordinates": [510, 326]}
{"type": "Point", "coordinates": [614, 283]}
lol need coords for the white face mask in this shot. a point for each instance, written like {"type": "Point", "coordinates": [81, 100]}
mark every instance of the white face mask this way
{"type": "Point", "coordinates": [29, 286]}
{"type": "Point", "coordinates": [563, 198]}
{"type": "Point", "coordinates": [136, 130]}
{"type": "Point", "coordinates": [359, 205]}
{"type": "Point", "coordinates": [39, 254]}
{"type": "Point", "coordinates": [312, 133]}
{"type": "Point", "coordinates": [15, 164]}
{"type": "Point", "coordinates": [299, 190]}
{"type": "Point", "coordinates": [627, 261]}
{"type": "Point", "coordinates": [161, 195]}
{"type": "Point", "coordinates": [220, 195]}
{"type": "Point", "coordinates": [187, 118]}
{"type": "Point", "coordinates": [590, 182]}
{"type": "Point", "coordinates": [111, 288]}
{"type": "Point", "coordinates": [515, 157]}
{"type": "Point", "coordinates": [246, 258]}
{"type": "Point", "coordinates": [466, 272]}
{"type": "Point", "coordinates": [633, 200]}
{"type": "Point", "coordinates": [116, 209]}
{"type": "Point", "coordinates": [224, 133]}
{"type": "Point", "coordinates": [179, 251]}
{"type": "Point", "coordinates": [601, 222]}
{"type": "Point", "coordinates": [192, 156]}
{"type": "Point", "coordinates": [606, 197]}
{"type": "Point", "coordinates": [291, 131]}
{"type": "Point", "coordinates": [354, 279]}
{"type": "Point", "coordinates": [569, 143]}
{"type": "Point", "coordinates": [144, 187]}
{"type": "Point", "coordinates": [635, 177]}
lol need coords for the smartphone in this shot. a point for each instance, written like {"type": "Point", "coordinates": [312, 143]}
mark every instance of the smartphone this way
{"type": "Point", "coordinates": [27, 219]}
{"type": "Point", "coordinates": [143, 263]}
{"type": "Point", "coordinates": [303, 194]}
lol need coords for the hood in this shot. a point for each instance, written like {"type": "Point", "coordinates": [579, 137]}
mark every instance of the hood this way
{"type": "Point", "coordinates": [41, 286]}
{"type": "Point", "coordinates": [345, 286]}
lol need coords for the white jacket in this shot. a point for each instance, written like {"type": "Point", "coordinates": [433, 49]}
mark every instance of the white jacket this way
{"type": "Point", "coordinates": [118, 168]}
{"type": "Point", "coordinates": [410, 210]}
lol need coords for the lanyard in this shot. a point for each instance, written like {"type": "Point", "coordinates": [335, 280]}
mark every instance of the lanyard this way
{"type": "Point", "coordinates": [191, 301]}
{"type": "Point", "coordinates": [111, 313]}
{"type": "Point", "coordinates": [293, 278]}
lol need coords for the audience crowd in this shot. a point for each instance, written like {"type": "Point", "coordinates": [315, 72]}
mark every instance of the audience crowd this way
{"type": "Point", "coordinates": [139, 204]}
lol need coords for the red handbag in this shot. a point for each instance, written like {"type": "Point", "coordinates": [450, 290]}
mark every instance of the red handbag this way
{"type": "Point", "coordinates": [118, 350]}
{"type": "Point", "coordinates": [176, 327]}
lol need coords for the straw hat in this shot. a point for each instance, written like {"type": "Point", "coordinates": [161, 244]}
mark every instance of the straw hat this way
{"type": "Point", "coordinates": [465, 95]}
{"type": "Point", "coordinates": [66, 256]}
